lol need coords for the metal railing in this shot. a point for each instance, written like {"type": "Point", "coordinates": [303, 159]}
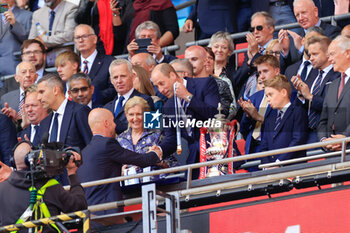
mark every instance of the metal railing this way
{"type": "Point", "coordinates": [189, 190]}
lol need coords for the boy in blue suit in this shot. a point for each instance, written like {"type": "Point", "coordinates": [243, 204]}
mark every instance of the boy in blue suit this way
{"type": "Point", "coordinates": [286, 125]}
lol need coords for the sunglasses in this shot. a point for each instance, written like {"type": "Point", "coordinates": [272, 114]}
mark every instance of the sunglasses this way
{"type": "Point", "coordinates": [258, 28]}
{"type": "Point", "coordinates": [76, 90]}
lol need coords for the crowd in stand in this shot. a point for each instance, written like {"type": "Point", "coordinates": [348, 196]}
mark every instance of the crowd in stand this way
{"type": "Point", "coordinates": [291, 89]}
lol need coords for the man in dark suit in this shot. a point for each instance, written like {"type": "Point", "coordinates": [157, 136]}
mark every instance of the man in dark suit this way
{"type": "Point", "coordinates": [35, 113]}
{"type": "Point", "coordinates": [314, 89]}
{"type": "Point", "coordinates": [286, 125]}
{"type": "Point", "coordinates": [93, 63]}
{"type": "Point", "coordinates": [104, 157]}
{"type": "Point", "coordinates": [334, 120]}
{"type": "Point", "coordinates": [210, 16]}
{"type": "Point", "coordinates": [25, 76]}
{"type": "Point", "coordinates": [149, 29]}
{"type": "Point", "coordinates": [14, 29]}
{"type": "Point", "coordinates": [199, 98]}
{"type": "Point", "coordinates": [8, 139]}
{"type": "Point", "coordinates": [122, 77]}
{"type": "Point", "coordinates": [68, 123]}
{"type": "Point", "coordinates": [256, 108]}
{"type": "Point", "coordinates": [81, 90]}
{"type": "Point", "coordinates": [306, 14]}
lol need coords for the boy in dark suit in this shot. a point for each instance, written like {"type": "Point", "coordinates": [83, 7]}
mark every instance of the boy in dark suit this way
{"type": "Point", "coordinates": [286, 125]}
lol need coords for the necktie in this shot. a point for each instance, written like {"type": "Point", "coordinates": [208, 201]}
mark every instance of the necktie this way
{"type": "Point", "coordinates": [54, 129]}
{"type": "Point", "coordinates": [262, 110]}
{"type": "Point", "coordinates": [119, 106]}
{"type": "Point", "coordinates": [20, 105]}
{"type": "Point", "coordinates": [312, 114]}
{"type": "Point", "coordinates": [304, 71]}
{"type": "Point", "coordinates": [250, 88]}
{"type": "Point", "coordinates": [36, 139]}
{"type": "Point", "coordinates": [261, 50]}
{"type": "Point", "coordinates": [278, 120]}
{"type": "Point", "coordinates": [86, 68]}
{"type": "Point", "coordinates": [342, 84]}
{"type": "Point", "coordinates": [52, 18]}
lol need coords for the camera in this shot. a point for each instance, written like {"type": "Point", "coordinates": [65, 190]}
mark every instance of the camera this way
{"type": "Point", "coordinates": [50, 160]}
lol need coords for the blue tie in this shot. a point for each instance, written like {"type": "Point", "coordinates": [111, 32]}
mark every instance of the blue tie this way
{"type": "Point", "coordinates": [54, 129]}
{"type": "Point", "coordinates": [278, 120]}
{"type": "Point", "coordinates": [36, 139]}
{"type": "Point", "coordinates": [303, 75]}
{"type": "Point", "coordinates": [119, 106]}
{"type": "Point", "coordinates": [312, 114]}
{"type": "Point", "coordinates": [52, 18]}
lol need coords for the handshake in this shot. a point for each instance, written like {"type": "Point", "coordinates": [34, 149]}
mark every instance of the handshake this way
{"type": "Point", "coordinates": [159, 153]}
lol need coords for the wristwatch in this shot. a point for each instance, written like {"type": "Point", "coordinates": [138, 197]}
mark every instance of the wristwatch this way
{"type": "Point", "coordinates": [114, 14]}
{"type": "Point", "coordinates": [189, 97]}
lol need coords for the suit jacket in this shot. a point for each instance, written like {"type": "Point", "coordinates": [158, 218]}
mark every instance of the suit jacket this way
{"type": "Point", "coordinates": [103, 158]}
{"type": "Point", "coordinates": [63, 24]}
{"type": "Point", "coordinates": [292, 70]}
{"type": "Point", "coordinates": [99, 74]}
{"type": "Point", "coordinates": [317, 101]}
{"type": "Point", "coordinates": [11, 39]}
{"type": "Point", "coordinates": [248, 124]}
{"type": "Point", "coordinates": [214, 15]}
{"type": "Point", "coordinates": [28, 131]}
{"type": "Point", "coordinates": [292, 131]}
{"type": "Point", "coordinates": [264, 5]}
{"type": "Point", "coordinates": [12, 98]}
{"type": "Point", "coordinates": [294, 55]}
{"type": "Point", "coordinates": [203, 106]}
{"type": "Point", "coordinates": [120, 120]}
{"type": "Point", "coordinates": [335, 113]}
{"type": "Point", "coordinates": [8, 138]}
{"type": "Point", "coordinates": [75, 130]}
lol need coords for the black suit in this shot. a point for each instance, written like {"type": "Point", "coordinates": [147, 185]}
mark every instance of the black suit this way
{"type": "Point", "coordinates": [99, 74]}
{"type": "Point", "coordinates": [8, 138]}
{"type": "Point", "coordinates": [317, 100]}
{"type": "Point", "coordinates": [120, 120]}
{"type": "Point", "coordinates": [75, 130]}
{"type": "Point", "coordinates": [28, 131]}
{"type": "Point", "coordinates": [294, 55]}
{"type": "Point", "coordinates": [202, 106]}
{"type": "Point", "coordinates": [103, 158]}
{"type": "Point", "coordinates": [335, 116]}
{"type": "Point", "coordinates": [292, 70]}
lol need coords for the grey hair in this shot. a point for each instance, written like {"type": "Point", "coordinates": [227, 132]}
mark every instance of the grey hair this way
{"type": "Point", "coordinates": [148, 25]}
{"type": "Point", "coordinates": [150, 60]}
{"type": "Point", "coordinates": [220, 35]}
{"type": "Point", "coordinates": [118, 62]}
{"type": "Point", "coordinates": [79, 76]}
{"type": "Point", "coordinates": [92, 31]}
{"type": "Point", "coordinates": [308, 1]}
{"type": "Point", "coordinates": [317, 29]}
{"type": "Point", "coordinates": [185, 63]}
{"type": "Point", "coordinates": [270, 22]}
{"type": "Point", "coordinates": [52, 80]}
{"type": "Point", "coordinates": [343, 42]}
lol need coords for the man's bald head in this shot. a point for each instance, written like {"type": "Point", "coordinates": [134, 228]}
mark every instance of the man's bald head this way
{"type": "Point", "coordinates": [346, 31]}
{"type": "Point", "coordinates": [197, 56]}
{"type": "Point", "coordinates": [20, 153]}
{"type": "Point", "coordinates": [101, 121]}
{"type": "Point", "coordinates": [144, 60]}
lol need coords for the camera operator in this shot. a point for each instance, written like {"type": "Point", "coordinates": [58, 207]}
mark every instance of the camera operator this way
{"type": "Point", "coordinates": [15, 195]}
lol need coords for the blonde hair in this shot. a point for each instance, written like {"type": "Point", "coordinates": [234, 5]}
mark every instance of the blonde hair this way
{"type": "Point", "coordinates": [145, 83]}
{"type": "Point", "coordinates": [134, 101]}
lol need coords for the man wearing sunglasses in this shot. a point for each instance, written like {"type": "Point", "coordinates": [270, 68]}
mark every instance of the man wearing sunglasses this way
{"type": "Point", "coordinates": [81, 90]}
{"type": "Point", "coordinates": [262, 28]}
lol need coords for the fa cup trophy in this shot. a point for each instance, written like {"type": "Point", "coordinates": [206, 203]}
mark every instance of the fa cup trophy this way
{"type": "Point", "coordinates": [222, 134]}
